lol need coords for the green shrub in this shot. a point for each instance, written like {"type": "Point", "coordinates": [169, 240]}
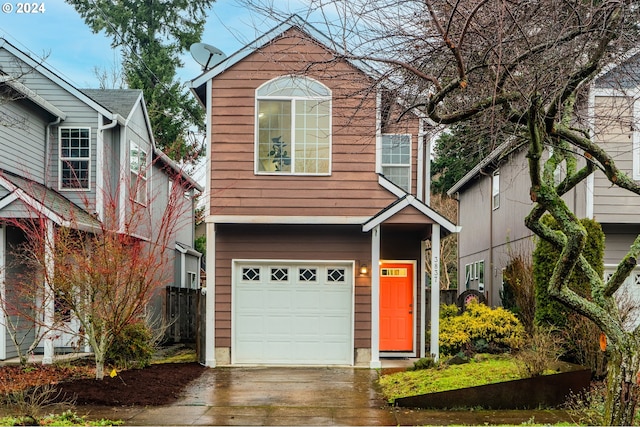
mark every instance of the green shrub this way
{"type": "Point", "coordinates": [133, 347]}
{"type": "Point", "coordinates": [548, 310]}
{"type": "Point", "coordinates": [579, 333]}
{"type": "Point", "coordinates": [492, 329]}
{"type": "Point", "coordinates": [448, 310]}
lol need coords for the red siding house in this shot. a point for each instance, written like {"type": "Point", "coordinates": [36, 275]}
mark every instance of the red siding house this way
{"type": "Point", "coordinates": [318, 208]}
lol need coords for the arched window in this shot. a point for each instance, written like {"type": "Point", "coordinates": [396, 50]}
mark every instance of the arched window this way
{"type": "Point", "coordinates": [293, 127]}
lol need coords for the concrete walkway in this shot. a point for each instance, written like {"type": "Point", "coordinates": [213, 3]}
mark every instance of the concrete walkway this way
{"type": "Point", "coordinates": [299, 396]}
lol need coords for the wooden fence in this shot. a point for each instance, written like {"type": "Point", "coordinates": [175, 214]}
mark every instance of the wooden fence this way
{"type": "Point", "coordinates": [183, 314]}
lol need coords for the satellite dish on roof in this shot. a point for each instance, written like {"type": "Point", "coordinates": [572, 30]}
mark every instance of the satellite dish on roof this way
{"type": "Point", "coordinates": [206, 55]}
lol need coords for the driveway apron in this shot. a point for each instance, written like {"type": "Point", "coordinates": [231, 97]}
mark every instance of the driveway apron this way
{"type": "Point", "coordinates": [290, 396]}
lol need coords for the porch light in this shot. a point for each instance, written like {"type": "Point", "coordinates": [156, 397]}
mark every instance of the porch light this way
{"type": "Point", "coordinates": [364, 270]}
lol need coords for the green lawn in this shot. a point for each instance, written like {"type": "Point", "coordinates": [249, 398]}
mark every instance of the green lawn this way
{"type": "Point", "coordinates": [481, 370]}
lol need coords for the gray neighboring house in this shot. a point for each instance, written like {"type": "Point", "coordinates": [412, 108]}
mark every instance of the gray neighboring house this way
{"type": "Point", "coordinates": [494, 195]}
{"type": "Point", "coordinates": [63, 152]}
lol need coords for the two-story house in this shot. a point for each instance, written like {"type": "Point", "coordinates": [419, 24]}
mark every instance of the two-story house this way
{"type": "Point", "coordinates": [494, 195]}
{"type": "Point", "coordinates": [319, 214]}
{"type": "Point", "coordinates": [69, 156]}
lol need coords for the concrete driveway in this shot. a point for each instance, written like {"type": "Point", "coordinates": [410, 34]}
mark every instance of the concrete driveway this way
{"type": "Point", "coordinates": [299, 396]}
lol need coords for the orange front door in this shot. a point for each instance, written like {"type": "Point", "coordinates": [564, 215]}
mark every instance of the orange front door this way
{"type": "Point", "coordinates": [396, 307]}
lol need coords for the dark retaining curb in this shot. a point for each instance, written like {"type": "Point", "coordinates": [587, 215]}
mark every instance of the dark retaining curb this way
{"type": "Point", "coordinates": [529, 393]}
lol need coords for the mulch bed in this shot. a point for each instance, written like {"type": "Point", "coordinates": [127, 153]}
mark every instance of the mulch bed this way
{"type": "Point", "coordinates": [155, 385]}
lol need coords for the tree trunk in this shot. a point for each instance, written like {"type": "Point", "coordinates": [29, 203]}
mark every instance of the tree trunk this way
{"type": "Point", "coordinates": [99, 366]}
{"type": "Point", "coordinates": [622, 387]}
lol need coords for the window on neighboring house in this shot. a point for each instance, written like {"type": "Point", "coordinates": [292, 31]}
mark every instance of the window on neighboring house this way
{"type": "Point", "coordinates": [193, 280]}
{"type": "Point", "coordinates": [495, 190]}
{"type": "Point", "coordinates": [474, 272]}
{"type": "Point", "coordinates": [138, 166]}
{"type": "Point", "coordinates": [293, 133]}
{"type": "Point", "coordinates": [75, 157]}
{"type": "Point", "coordinates": [467, 276]}
{"type": "Point", "coordinates": [396, 159]}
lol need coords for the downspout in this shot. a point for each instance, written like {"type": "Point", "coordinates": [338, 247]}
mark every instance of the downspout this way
{"type": "Point", "coordinates": [100, 166]}
{"type": "Point", "coordinates": [488, 294]}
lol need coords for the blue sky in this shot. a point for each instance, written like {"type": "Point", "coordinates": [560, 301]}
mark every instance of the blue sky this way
{"type": "Point", "coordinates": [73, 51]}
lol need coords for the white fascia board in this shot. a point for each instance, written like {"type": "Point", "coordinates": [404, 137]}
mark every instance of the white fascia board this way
{"type": "Point", "coordinates": [426, 210]}
{"type": "Point", "coordinates": [377, 220]}
{"type": "Point", "coordinates": [7, 200]}
{"type": "Point", "coordinates": [293, 21]}
{"type": "Point", "coordinates": [613, 65]}
{"type": "Point", "coordinates": [185, 249]}
{"type": "Point", "coordinates": [601, 91]}
{"type": "Point", "coordinates": [273, 219]}
{"type": "Point", "coordinates": [391, 187]}
{"type": "Point", "coordinates": [41, 68]}
{"type": "Point", "coordinates": [410, 200]}
{"type": "Point", "coordinates": [33, 97]}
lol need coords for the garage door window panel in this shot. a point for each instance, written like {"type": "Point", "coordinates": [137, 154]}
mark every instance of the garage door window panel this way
{"type": "Point", "coordinates": [279, 275]}
{"type": "Point", "coordinates": [251, 274]}
{"type": "Point", "coordinates": [308, 275]}
{"type": "Point", "coordinates": [336, 275]}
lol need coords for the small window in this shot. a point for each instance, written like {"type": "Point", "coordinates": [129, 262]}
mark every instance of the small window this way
{"type": "Point", "coordinates": [193, 280]}
{"type": "Point", "coordinates": [495, 192]}
{"type": "Point", "coordinates": [396, 159]}
{"type": "Point", "coordinates": [138, 166]}
{"type": "Point", "coordinates": [293, 127]}
{"type": "Point", "coordinates": [481, 275]}
{"type": "Point", "coordinates": [75, 158]}
{"type": "Point", "coordinates": [251, 274]}
{"type": "Point", "coordinates": [280, 274]}
{"type": "Point", "coordinates": [467, 276]}
{"type": "Point", "coordinates": [308, 275]}
{"type": "Point", "coordinates": [336, 275]}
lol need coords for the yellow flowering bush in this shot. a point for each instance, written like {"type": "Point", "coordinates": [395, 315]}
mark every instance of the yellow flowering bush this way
{"type": "Point", "coordinates": [496, 328]}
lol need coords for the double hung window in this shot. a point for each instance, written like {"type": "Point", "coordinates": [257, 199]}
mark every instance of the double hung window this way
{"type": "Point", "coordinates": [75, 158]}
{"type": "Point", "coordinates": [495, 190]}
{"type": "Point", "coordinates": [138, 167]}
{"type": "Point", "coordinates": [293, 127]}
{"type": "Point", "coordinates": [396, 159]}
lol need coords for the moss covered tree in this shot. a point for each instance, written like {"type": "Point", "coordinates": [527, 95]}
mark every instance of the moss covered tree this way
{"type": "Point", "coordinates": [549, 311]}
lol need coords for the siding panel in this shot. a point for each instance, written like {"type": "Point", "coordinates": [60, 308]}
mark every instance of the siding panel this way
{"type": "Point", "coordinates": [352, 187]}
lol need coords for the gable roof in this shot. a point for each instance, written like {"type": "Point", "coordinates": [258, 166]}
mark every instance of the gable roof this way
{"type": "Point", "coordinates": [124, 103]}
{"type": "Point", "coordinates": [119, 101]}
{"type": "Point", "coordinates": [115, 104]}
{"type": "Point", "coordinates": [45, 201]}
{"type": "Point", "coordinates": [293, 21]}
{"type": "Point", "coordinates": [494, 157]}
{"type": "Point", "coordinates": [40, 67]}
{"type": "Point", "coordinates": [404, 202]}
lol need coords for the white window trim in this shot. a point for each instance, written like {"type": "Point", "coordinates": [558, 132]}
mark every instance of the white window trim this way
{"type": "Point", "coordinates": [60, 160]}
{"type": "Point", "coordinates": [293, 99]}
{"type": "Point", "coordinates": [495, 189]}
{"type": "Point", "coordinates": [409, 166]}
{"type": "Point", "coordinates": [147, 171]}
{"type": "Point", "coordinates": [481, 275]}
{"type": "Point", "coordinates": [192, 280]}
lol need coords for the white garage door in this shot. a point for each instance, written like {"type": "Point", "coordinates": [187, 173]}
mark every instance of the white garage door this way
{"type": "Point", "coordinates": [292, 313]}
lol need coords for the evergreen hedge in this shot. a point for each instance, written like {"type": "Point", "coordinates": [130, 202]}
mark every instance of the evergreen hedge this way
{"type": "Point", "coordinates": [545, 256]}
